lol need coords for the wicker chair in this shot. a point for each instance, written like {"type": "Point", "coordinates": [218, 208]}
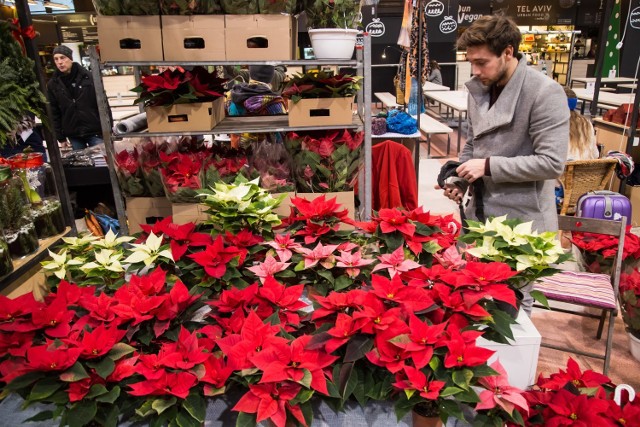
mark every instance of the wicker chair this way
{"type": "Point", "coordinates": [582, 176]}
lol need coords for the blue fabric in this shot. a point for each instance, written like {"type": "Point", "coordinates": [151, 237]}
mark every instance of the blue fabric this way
{"type": "Point", "coordinates": [413, 99]}
{"type": "Point", "coordinates": [573, 102]}
{"type": "Point", "coordinates": [400, 122]}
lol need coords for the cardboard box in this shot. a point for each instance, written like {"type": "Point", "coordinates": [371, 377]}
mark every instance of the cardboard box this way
{"type": "Point", "coordinates": [193, 117]}
{"type": "Point", "coordinates": [188, 212]}
{"type": "Point", "coordinates": [344, 198]}
{"type": "Point", "coordinates": [285, 206]}
{"type": "Point", "coordinates": [146, 210]}
{"type": "Point", "coordinates": [280, 32]}
{"type": "Point", "coordinates": [193, 38]}
{"type": "Point", "coordinates": [520, 357]}
{"type": "Point", "coordinates": [130, 38]}
{"type": "Point", "coordinates": [633, 193]}
{"type": "Point", "coordinates": [321, 112]}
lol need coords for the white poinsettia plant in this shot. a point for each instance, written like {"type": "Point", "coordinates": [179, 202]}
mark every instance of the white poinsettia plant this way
{"type": "Point", "coordinates": [514, 242]}
{"type": "Point", "coordinates": [105, 261]}
{"type": "Point", "coordinates": [242, 204]}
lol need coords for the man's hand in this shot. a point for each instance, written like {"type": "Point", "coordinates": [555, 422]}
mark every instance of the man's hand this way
{"type": "Point", "coordinates": [471, 170]}
{"type": "Point", "coordinates": [453, 192]}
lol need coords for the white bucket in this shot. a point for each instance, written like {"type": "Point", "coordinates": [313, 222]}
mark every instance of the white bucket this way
{"type": "Point", "coordinates": [634, 346]}
{"type": "Point", "coordinates": [333, 43]}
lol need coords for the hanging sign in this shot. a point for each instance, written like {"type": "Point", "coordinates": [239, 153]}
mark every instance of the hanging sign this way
{"type": "Point", "coordinates": [536, 12]}
{"type": "Point", "coordinates": [434, 8]}
{"type": "Point", "coordinates": [634, 18]}
{"type": "Point", "coordinates": [375, 28]}
{"type": "Point", "coordinates": [470, 10]}
{"type": "Point", "coordinates": [448, 25]}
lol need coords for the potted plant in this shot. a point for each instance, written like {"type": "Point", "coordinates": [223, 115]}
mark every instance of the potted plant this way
{"type": "Point", "coordinates": [333, 27]}
{"type": "Point", "coordinates": [630, 304]}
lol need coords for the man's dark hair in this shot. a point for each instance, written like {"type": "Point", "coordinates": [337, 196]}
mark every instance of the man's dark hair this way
{"type": "Point", "coordinates": [497, 32]}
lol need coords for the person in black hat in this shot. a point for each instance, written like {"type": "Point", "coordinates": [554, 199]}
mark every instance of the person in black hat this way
{"type": "Point", "coordinates": [73, 102]}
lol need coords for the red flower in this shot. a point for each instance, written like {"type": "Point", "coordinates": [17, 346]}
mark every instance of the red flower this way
{"type": "Point", "coordinates": [414, 379]}
{"type": "Point", "coordinates": [284, 363]}
{"type": "Point", "coordinates": [336, 302]}
{"type": "Point", "coordinates": [124, 368]}
{"type": "Point", "coordinates": [177, 384]}
{"type": "Point", "coordinates": [100, 341]}
{"type": "Point", "coordinates": [127, 161]}
{"type": "Point", "coordinates": [100, 308]}
{"type": "Point", "coordinates": [46, 358]}
{"type": "Point", "coordinates": [481, 280]}
{"type": "Point", "coordinates": [387, 354]}
{"type": "Point", "coordinates": [54, 318]}
{"type": "Point", "coordinates": [16, 343]}
{"type": "Point", "coordinates": [395, 220]}
{"type": "Point", "coordinates": [568, 409]}
{"type": "Point", "coordinates": [254, 337]}
{"type": "Point", "coordinates": [500, 393]}
{"type": "Point", "coordinates": [180, 237]}
{"type": "Point", "coordinates": [464, 353]}
{"type": "Point", "coordinates": [286, 299]}
{"type": "Point", "coordinates": [233, 299]}
{"type": "Point", "coordinates": [134, 305]}
{"type": "Point", "coordinates": [345, 327]}
{"type": "Point", "coordinates": [184, 353]}
{"type": "Point", "coordinates": [573, 374]}
{"type": "Point", "coordinates": [271, 401]}
{"type": "Point", "coordinates": [215, 257]}
{"type": "Point", "coordinates": [216, 375]}
{"type": "Point", "coordinates": [178, 300]}
{"type": "Point", "coordinates": [79, 389]}
{"type": "Point", "coordinates": [167, 80]}
{"type": "Point", "coordinates": [318, 209]}
{"type": "Point", "coordinates": [627, 416]}
{"type": "Point", "coordinates": [15, 313]}
{"type": "Point", "coordinates": [243, 239]}
{"type": "Point", "coordinates": [421, 340]}
{"type": "Point", "coordinates": [411, 298]}
{"type": "Point", "coordinates": [376, 316]}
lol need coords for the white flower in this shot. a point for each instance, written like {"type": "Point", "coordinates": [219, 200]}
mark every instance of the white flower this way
{"type": "Point", "coordinates": [111, 240]}
{"type": "Point", "coordinates": [486, 251]}
{"type": "Point", "coordinates": [149, 251]}
{"type": "Point", "coordinates": [59, 262]}
{"type": "Point", "coordinates": [107, 259]}
{"type": "Point", "coordinates": [79, 242]}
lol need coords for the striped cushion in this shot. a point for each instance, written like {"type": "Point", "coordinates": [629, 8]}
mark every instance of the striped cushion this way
{"type": "Point", "coordinates": [578, 288]}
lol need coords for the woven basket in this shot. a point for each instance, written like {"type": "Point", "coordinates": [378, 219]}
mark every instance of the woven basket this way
{"type": "Point", "coordinates": [582, 176]}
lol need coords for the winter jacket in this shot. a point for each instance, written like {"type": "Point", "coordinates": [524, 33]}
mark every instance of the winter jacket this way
{"type": "Point", "coordinates": [525, 135]}
{"type": "Point", "coordinates": [74, 116]}
{"type": "Point", "coordinates": [394, 182]}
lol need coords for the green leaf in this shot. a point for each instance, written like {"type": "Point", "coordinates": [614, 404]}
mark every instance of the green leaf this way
{"type": "Point", "coordinates": [196, 406]}
{"type": "Point", "coordinates": [451, 407]}
{"type": "Point", "coordinates": [161, 405]}
{"type": "Point", "coordinates": [119, 350]}
{"type": "Point", "coordinates": [306, 378]}
{"type": "Point", "coordinates": [246, 420]}
{"type": "Point", "coordinates": [450, 391]}
{"type": "Point", "coordinates": [351, 384]}
{"type": "Point", "coordinates": [358, 346]}
{"type": "Point", "coordinates": [342, 282]}
{"type": "Point", "coordinates": [44, 388]}
{"type": "Point", "coordinates": [95, 391]}
{"type": "Point", "coordinates": [24, 380]}
{"type": "Point", "coordinates": [303, 396]}
{"type": "Point", "coordinates": [462, 378]}
{"type": "Point", "coordinates": [326, 274]}
{"type": "Point", "coordinates": [40, 416]}
{"type": "Point", "coordinates": [184, 419]}
{"type": "Point", "coordinates": [74, 373]}
{"type": "Point", "coordinates": [110, 397]}
{"type": "Point", "coordinates": [82, 413]}
{"type": "Point", "coordinates": [104, 367]}
{"type": "Point", "coordinates": [539, 296]}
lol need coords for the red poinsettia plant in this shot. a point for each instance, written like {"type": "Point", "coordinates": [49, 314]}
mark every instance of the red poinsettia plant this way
{"type": "Point", "coordinates": [128, 169]}
{"type": "Point", "coordinates": [325, 161]}
{"type": "Point", "coordinates": [149, 158]}
{"type": "Point", "coordinates": [599, 250]}
{"type": "Point", "coordinates": [321, 84]}
{"type": "Point", "coordinates": [177, 86]}
{"type": "Point", "coordinates": [575, 397]}
{"type": "Point", "coordinates": [629, 297]}
{"type": "Point", "coordinates": [273, 323]}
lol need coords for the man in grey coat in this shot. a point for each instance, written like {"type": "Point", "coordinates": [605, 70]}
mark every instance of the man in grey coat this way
{"type": "Point", "coordinates": [518, 129]}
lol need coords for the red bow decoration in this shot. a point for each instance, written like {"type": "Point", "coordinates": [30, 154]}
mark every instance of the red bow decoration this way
{"type": "Point", "coordinates": [20, 34]}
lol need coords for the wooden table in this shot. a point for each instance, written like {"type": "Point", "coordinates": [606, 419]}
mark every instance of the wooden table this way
{"type": "Point", "coordinates": [604, 98]}
{"type": "Point", "coordinates": [604, 80]}
{"type": "Point", "coordinates": [456, 100]}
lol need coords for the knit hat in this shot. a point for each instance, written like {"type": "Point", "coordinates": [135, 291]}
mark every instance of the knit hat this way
{"type": "Point", "coordinates": [261, 73]}
{"type": "Point", "coordinates": [63, 50]}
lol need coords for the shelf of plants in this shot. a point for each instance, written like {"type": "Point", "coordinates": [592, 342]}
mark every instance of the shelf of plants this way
{"type": "Point", "coordinates": [22, 265]}
{"type": "Point", "coordinates": [292, 62]}
{"type": "Point", "coordinates": [360, 122]}
{"type": "Point", "coordinates": [262, 124]}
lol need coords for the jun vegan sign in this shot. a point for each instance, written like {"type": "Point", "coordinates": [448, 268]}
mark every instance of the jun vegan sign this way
{"type": "Point", "coordinates": [532, 12]}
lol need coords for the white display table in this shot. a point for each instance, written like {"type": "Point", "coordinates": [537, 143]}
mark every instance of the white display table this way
{"type": "Point", "coordinates": [520, 359]}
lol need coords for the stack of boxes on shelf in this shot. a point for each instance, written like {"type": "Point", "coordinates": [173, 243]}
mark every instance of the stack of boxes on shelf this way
{"type": "Point", "coordinates": [211, 38]}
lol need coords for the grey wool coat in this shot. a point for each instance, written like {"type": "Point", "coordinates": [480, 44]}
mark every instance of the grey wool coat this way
{"type": "Point", "coordinates": [526, 135]}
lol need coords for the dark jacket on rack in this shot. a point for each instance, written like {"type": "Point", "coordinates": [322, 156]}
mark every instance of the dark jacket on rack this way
{"type": "Point", "coordinates": [73, 103]}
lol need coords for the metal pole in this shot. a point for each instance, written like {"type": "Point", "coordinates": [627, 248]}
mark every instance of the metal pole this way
{"type": "Point", "coordinates": [105, 122]}
{"type": "Point", "coordinates": [604, 34]}
{"type": "Point", "coordinates": [55, 159]}
{"type": "Point", "coordinates": [368, 197]}
{"type": "Point", "coordinates": [416, 152]}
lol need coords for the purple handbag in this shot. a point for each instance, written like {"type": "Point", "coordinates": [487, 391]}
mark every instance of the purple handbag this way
{"type": "Point", "coordinates": [604, 205]}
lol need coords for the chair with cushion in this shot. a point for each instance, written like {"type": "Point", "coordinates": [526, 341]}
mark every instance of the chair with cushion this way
{"type": "Point", "coordinates": [583, 289]}
{"type": "Point", "coordinates": [582, 176]}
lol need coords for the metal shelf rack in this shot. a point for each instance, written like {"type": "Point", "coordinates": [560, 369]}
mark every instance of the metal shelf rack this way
{"type": "Point", "coordinates": [362, 121]}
